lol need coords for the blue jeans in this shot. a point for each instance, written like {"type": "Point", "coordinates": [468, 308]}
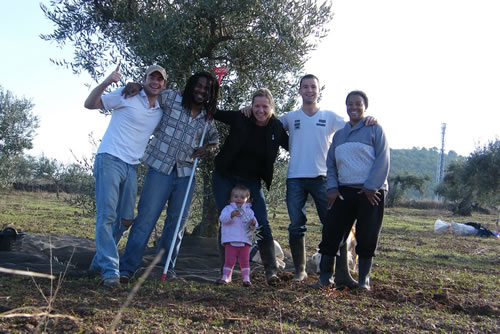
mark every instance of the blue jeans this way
{"type": "Point", "coordinates": [222, 187]}
{"type": "Point", "coordinates": [297, 190]}
{"type": "Point", "coordinates": [115, 192]}
{"type": "Point", "coordinates": [158, 189]}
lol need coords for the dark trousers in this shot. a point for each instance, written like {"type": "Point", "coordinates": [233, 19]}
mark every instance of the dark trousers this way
{"type": "Point", "coordinates": [353, 208]}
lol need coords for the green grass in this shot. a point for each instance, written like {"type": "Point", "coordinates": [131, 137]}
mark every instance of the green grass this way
{"type": "Point", "coordinates": [422, 283]}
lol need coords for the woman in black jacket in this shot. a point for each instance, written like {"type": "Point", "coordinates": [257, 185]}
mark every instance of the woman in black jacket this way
{"type": "Point", "coordinates": [247, 157]}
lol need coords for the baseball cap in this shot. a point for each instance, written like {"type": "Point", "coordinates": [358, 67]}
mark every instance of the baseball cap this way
{"type": "Point", "coordinates": [156, 68]}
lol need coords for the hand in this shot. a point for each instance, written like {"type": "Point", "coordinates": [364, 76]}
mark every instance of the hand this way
{"type": "Point", "coordinates": [235, 213]}
{"type": "Point", "coordinates": [331, 199]}
{"type": "Point", "coordinates": [373, 196]}
{"type": "Point", "coordinates": [114, 76]}
{"type": "Point", "coordinates": [203, 152]}
{"type": "Point", "coordinates": [131, 89]}
{"type": "Point", "coordinates": [247, 111]}
{"type": "Point", "coordinates": [370, 120]}
{"type": "Point", "coordinates": [253, 222]}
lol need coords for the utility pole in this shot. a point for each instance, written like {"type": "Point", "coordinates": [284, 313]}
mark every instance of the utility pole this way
{"type": "Point", "coordinates": [440, 170]}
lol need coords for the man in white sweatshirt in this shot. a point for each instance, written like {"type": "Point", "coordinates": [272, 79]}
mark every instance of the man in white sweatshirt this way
{"type": "Point", "coordinates": [311, 130]}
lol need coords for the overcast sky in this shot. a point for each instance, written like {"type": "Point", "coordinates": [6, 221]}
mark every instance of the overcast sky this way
{"type": "Point", "coordinates": [422, 63]}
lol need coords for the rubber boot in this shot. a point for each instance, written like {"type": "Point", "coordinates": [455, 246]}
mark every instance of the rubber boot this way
{"type": "Point", "coordinates": [298, 249]}
{"type": "Point", "coordinates": [326, 270]}
{"type": "Point", "coordinates": [365, 265]}
{"type": "Point", "coordinates": [343, 277]}
{"type": "Point", "coordinates": [267, 254]}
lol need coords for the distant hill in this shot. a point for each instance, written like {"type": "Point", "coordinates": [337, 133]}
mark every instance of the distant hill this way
{"type": "Point", "coordinates": [420, 162]}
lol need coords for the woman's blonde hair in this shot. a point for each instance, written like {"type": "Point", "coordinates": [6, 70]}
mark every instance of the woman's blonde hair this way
{"type": "Point", "coordinates": [265, 93]}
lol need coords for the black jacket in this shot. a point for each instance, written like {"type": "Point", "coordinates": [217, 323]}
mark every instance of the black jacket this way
{"type": "Point", "coordinates": [239, 133]}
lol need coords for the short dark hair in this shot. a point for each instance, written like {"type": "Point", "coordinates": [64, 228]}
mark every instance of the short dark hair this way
{"type": "Point", "coordinates": [308, 76]}
{"type": "Point", "coordinates": [213, 94]}
{"type": "Point", "coordinates": [359, 93]}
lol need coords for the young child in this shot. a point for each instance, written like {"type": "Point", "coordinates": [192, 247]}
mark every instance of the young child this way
{"type": "Point", "coordinates": [237, 226]}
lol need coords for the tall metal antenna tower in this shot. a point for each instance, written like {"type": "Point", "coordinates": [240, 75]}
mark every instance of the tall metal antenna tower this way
{"type": "Point", "coordinates": [440, 171]}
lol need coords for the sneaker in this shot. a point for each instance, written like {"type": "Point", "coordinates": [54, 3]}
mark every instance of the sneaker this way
{"type": "Point", "coordinates": [111, 283]}
{"type": "Point", "coordinates": [124, 279]}
{"type": "Point", "coordinates": [172, 277]}
{"type": "Point", "coordinates": [319, 285]}
{"type": "Point", "coordinates": [247, 284]}
{"type": "Point", "coordinates": [221, 282]}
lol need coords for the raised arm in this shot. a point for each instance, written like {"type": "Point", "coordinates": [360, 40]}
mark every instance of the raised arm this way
{"type": "Point", "coordinates": [94, 101]}
{"type": "Point", "coordinates": [226, 215]}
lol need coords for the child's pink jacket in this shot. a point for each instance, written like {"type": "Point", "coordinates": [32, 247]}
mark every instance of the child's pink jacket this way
{"type": "Point", "coordinates": [236, 229]}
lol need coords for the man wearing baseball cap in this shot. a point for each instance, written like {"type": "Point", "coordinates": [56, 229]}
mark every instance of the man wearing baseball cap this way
{"type": "Point", "coordinates": [132, 123]}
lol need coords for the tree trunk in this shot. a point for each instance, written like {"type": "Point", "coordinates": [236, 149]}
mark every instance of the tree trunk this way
{"type": "Point", "coordinates": [209, 218]}
{"type": "Point", "coordinates": [465, 207]}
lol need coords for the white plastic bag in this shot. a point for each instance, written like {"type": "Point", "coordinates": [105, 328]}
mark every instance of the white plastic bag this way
{"type": "Point", "coordinates": [462, 229]}
{"type": "Point", "coordinates": [441, 226]}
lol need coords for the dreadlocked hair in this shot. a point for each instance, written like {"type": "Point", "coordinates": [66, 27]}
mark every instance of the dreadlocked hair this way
{"type": "Point", "coordinates": [213, 92]}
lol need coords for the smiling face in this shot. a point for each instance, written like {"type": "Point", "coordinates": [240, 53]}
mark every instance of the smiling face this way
{"type": "Point", "coordinates": [154, 84]}
{"type": "Point", "coordinates": [239, 197]}
{"type": "Point", "coordinates": [355, 108]}
{"type": "Point", "coordinates": [309, 90]}
{"type": "Point", "coordinates": [262, 110]}
{"type": "Point", "coordinates": [201, 91]}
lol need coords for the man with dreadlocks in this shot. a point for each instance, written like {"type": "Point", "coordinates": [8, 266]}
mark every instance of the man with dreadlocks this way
{"type": "Point", "coordinates": [170, 157]}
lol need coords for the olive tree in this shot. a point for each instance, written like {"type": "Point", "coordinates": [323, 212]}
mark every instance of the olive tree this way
{"type": "Point", "coordinates": [17, 130]}
{"type": "Point", "coordinates": [400, 184]}
{"type": "Point", "coordinates": [474, 181]}
{"type": "Point", "coordinates": [262, 43]}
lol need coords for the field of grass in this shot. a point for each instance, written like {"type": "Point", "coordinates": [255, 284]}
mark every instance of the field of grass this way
{"type": "Point", "coordinates": [421, 282]}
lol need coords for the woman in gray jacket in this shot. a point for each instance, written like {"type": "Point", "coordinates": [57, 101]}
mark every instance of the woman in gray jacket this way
{"type": "Point", "coordinates": [358, 166]}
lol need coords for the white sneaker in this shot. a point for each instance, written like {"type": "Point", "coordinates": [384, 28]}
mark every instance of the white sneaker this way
{"type": "Point", "coordinates": [111, 283]}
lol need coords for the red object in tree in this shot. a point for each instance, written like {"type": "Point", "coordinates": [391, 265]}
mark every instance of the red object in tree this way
{"type": "Point", "coordinates": [220, 71]}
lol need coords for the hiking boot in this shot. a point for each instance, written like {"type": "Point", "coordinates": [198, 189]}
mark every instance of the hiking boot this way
{"type": "Point", "coordinates": [111, 283]}
{"type": "Point", "coordinates": [365, 265]}
{"type": "Point", "coordinates": [343, 277]}
{"type": "Point", "coordinates": [298, 250]}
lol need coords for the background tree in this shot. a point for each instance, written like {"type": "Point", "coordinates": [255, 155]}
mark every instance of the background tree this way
{"type": "Point", "coordinates": [263, 43]}
{"type": "Point", "coordinates": [24, 167]}
{"type": "Point", "coordinates": [17, 129]}
{"type": "Point", "coordinates": [399, 185]}
{"type": "Point", "coordinates": [421, 162]}
{"type": "Point", "coordinates": [474, 181]}
{"type": "Point", "coordinates": [51, 170]}
{"type": "Point", "coordinates": [277, 195]}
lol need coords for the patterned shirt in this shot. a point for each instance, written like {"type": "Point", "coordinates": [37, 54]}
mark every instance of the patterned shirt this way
{"type": "Point", "coordinates": [176, 137]}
